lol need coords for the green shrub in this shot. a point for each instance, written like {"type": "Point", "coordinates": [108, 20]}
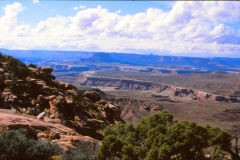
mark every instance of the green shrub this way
{"type": "Point", "coordinates": [74, 155]}
{"type": "Point", "coordinates": [217, 155]}
{"type": "Point", "coordinates": [159, 137]}
{"type": "Point", "coordinates": [18, 145]}
{"type": "Point", "coordinates": [46, 77]}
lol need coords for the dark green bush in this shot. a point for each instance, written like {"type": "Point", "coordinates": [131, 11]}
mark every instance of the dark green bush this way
{"type": "Point", "coordinates": [159, 137]}
{"type": "Point", "coordinates": [46, 77]}
{"type": "Point", "coordinates": [18, 145]}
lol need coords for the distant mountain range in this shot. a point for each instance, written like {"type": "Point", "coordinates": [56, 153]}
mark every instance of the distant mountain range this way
{"type": "Point", "coordinates": [45, 57]}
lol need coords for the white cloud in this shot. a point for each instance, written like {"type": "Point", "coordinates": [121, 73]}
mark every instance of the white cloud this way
{"type": "Point", "coordinates": [8, 21]}
{"type": "Point", "coordinates": [82, 7]}
{"type": "Point", "coordinates": [189, 28]}
{"type": "Point", "coordinates": [35, 1]}
{"type": "Point", "coordinates": [75, 8]}
{"type": "Point", "coordinates": [79, 7]}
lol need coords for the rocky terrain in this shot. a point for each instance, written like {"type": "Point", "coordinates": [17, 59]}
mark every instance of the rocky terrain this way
{"type": "Point", "coordinates": [55, 132]}
{"type": "Point", "coordinates": [31, 98]}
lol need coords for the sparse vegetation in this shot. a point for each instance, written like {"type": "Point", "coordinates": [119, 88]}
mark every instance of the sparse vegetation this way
{"type": "Point", "coordinates": [18, 145]}
{"type": "Point", "coordinates": [57, 90]}
{"type": "Point", "coordinates": [84, 152]}
{"type": "Point", "coordinates": [46, 77]}
{"type": "Point", "coordinates": [82, 104]}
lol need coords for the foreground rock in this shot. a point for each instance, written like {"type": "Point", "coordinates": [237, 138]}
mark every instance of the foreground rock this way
{"type": "Point", "coordinates": [64, 136]}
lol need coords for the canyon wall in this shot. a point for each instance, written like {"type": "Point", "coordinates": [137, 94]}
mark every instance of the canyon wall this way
{"type": "Point", "coordinates": [158, 89]}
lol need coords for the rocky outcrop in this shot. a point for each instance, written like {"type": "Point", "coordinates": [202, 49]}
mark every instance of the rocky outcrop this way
{"type": "Point", "coordinates": [34, 91]}
{"type": "Point", "coordinates": [54, 132]}
{"type": "Point", "coordinates": [113, 112]}
{"type": "Point", "coordinates": [92, 96]}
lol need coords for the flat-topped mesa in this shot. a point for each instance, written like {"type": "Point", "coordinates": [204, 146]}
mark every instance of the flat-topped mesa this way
{"type": "Point", "coordinates": [161, 89]}
{"type": "Point", "coordinates": [119, 83]}
{"type": "Point", "coordinates": [193, 94]}
{"type": "Point", "coordinates": [33, 90]}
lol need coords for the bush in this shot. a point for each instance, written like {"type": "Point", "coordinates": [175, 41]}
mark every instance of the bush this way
{"type": "Point", "coordinates": [46, 77]}
{"type": "Point", "coordinates": [18, 145]}
{"type": "Point", "coordinates": [74, 155]}
{"type": "Point", "coordinates": [159, 137]}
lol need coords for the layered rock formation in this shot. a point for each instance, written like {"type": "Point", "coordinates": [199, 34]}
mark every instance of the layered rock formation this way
{"type": "Point", "coordinates": [119, 84]}
{"type": "Point", "coordinates": [160, 89]}
{"type": "Point", "coordinates": [192, 94]}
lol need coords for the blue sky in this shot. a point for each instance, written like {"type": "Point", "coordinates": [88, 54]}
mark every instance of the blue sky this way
{"type": "Point", "coordinates": [144, 27]}
{"type": "Point", "coordinates": [33, 13]}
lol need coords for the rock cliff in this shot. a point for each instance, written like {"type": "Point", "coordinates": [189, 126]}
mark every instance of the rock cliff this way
{"type": "Point", "coordinates": [57, 108]}
{"type": "Point", "coordinates": [159, 89]}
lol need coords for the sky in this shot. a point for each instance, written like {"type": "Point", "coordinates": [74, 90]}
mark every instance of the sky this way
{"type": "Point", "coordinates": [185, 28]}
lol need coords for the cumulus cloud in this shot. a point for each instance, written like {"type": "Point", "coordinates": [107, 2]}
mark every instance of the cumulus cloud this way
{"type": "Point", "coordinates": [189, 28]}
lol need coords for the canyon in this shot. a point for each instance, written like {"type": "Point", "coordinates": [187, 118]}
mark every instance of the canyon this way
{"type": "Point", "coordinates": [203, 90]}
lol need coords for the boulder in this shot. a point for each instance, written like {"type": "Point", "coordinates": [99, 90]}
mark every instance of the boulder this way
{"type": "Point", "coordinates": [92, 96]}
{"type": "Point", "coordinates": [30, 79]}
{"type": "Point", "coordinates": [69, 86]}
{"type": "Point", "coordinates": [1, 70]}
{"type": "Point", "coordinates": [113, 112]}
{"type": "Point", "coordinates": [72, 92]}
{"type": "Point", "coordinates": [48, 135]}
{"type": "Point", "coordinates": [58, 106]}
{"type": "Point", "coordinates": [41, 115]}
{"type": "Point", "coordinates": [47, 69]}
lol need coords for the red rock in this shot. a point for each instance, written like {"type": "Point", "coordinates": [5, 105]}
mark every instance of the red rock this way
{"type": "Point", "coordinates": [64, 136]}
